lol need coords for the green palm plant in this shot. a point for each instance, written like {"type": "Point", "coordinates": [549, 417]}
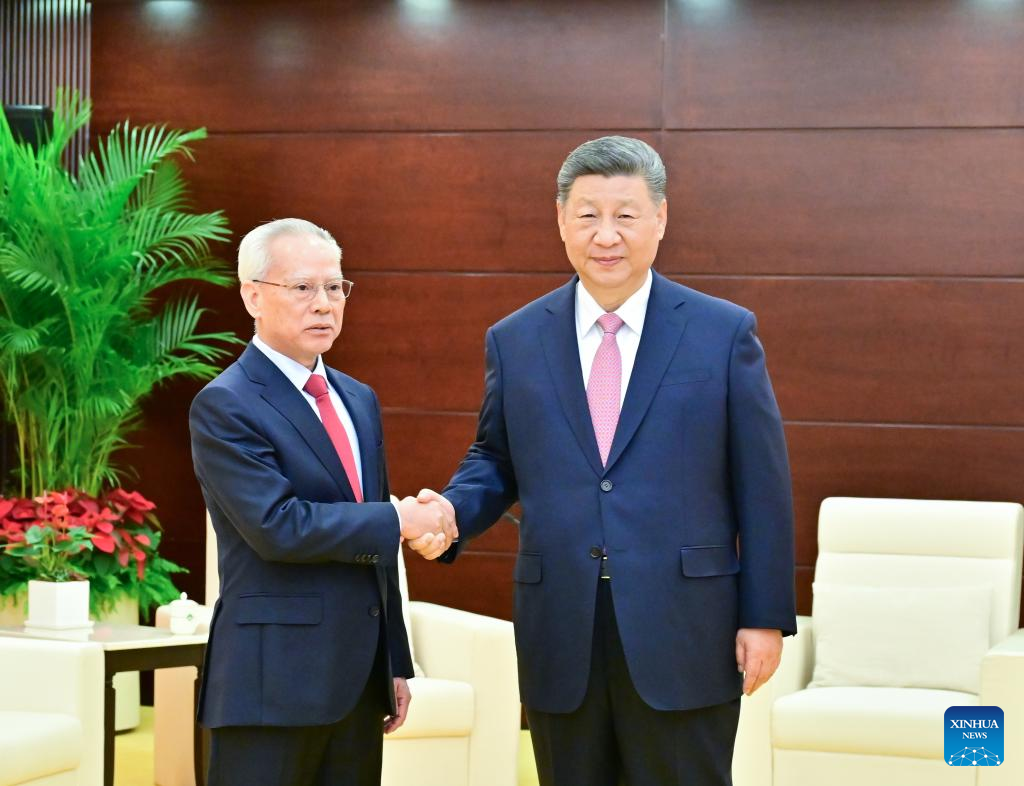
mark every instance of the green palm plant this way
{"type": "Point", "coordinates": [84, 334]}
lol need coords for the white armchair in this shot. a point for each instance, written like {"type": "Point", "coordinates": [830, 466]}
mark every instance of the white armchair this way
{"type": "Point", "coordinates": [463, 724]}
{"type": "Point", "coordinates": [51, 713]}
{"type": "Point", "coordinates": [879, 560]}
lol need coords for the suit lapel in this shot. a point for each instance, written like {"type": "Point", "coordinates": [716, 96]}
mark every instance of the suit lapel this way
{"type": "Point", "coordinates": [663, 329]}
{"type": "Point", "coordinates": [281, 394]}
{"type": "Point", "coordinates": [562, 352]}
{"type": "Point", "coordinates": [360, 411]}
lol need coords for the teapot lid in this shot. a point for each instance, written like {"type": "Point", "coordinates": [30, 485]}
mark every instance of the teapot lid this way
{"type": "Point", "coordinates": [182, 603]}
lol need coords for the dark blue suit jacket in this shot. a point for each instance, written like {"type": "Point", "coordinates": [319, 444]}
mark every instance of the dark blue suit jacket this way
{"type": "Point", "coordinates": [698, 463]}
{"type": "Point", "coordinates": [306, 574]}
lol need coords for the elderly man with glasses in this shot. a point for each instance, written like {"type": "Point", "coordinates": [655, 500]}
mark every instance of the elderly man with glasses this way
{"type": "Point", "coordinates": [308, 655]}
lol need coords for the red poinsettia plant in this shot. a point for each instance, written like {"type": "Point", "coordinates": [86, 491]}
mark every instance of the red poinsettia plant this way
{"type": "Point", "coordinates": [110, 539]}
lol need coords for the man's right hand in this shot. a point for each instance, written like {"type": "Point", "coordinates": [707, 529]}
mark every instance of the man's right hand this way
{"type": "Point", "coordinates": [434, 517]}
{"type": "Point", "coordinates": [428, 523]}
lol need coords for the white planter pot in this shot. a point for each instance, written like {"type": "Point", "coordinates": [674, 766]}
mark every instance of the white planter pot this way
{"type": "Point", "coordinates": [58, 605]}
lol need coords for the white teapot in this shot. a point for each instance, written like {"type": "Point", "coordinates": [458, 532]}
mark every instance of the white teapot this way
{"type": "Point", "coordinates": [183, 614]}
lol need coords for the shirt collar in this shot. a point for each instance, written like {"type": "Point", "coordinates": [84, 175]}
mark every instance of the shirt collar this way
{"type": "Point", "coordinates": [297, 373]}
{"type": "Point", "coordinates": [632, 312]}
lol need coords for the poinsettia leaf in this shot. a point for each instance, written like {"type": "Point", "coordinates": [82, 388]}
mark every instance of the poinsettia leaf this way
{"type": "Point", "coordinates": [104, 543]}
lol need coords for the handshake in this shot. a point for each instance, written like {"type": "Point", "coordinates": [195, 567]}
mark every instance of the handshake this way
{"type": "Point", "coordinates": [428, 523]}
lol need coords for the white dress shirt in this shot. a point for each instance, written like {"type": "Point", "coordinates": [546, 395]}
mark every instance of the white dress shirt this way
{"type": "Point", "coordinates": [589, 333]}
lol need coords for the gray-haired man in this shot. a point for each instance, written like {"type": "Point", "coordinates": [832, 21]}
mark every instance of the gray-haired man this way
{"type": "Point", "coordinates": [634, 421]}
{"type": "Point", "coordinates": [308, 655]}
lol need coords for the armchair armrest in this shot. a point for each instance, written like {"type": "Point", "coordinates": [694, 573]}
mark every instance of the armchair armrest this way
{"type": "Point", "coordinates": [457, 645]}
{"type": "Point", "coordinates": [1002, 685]}
{"type": "Point", "coordinates": [61, 677]}
{"type": "Point", "coordinates": [752, 754]}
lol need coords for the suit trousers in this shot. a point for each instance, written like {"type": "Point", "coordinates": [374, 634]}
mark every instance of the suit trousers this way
{"type": "Point", "coordinates": [345, 753]}
{"type": "Point", "coordinates": [615, 738]}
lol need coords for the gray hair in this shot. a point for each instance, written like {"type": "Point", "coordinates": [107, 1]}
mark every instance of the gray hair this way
{"type": "Point", "coordinates": [254, 250]}
{"type": "Point", "coordinates": [610, 156]}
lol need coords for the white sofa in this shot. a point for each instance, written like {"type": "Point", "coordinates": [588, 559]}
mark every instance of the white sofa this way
{"type": "Point", "coordinates": [463, 723]}
{"type": "Point", "coordinates": [51, 713]}
{"type": "Point", "coordinates": [794, 735]}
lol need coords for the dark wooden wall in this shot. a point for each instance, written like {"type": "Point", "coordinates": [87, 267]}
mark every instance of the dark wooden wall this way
{"type": "Point", "coordinates": [853, 172]}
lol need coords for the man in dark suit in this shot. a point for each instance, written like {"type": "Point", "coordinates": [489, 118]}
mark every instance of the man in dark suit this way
{"type": "Point", "coordinates": [308, 655]}
{"type": "Point", "coordinates": [634, 421]}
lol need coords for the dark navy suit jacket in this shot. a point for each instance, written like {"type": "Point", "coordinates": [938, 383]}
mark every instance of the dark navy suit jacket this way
{"type": "Point", "coordinates": [306, 573]}
{"type": "Point", "coordinates": [698, 463]}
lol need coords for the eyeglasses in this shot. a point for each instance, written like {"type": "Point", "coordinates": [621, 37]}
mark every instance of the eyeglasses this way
{"type": "Point", "coordinates": [304, 291]}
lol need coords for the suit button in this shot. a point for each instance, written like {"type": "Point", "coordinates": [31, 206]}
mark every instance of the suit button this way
{"type": "Point", "coordinates": [374, 611]}
{"type": "Point", "coordinates": [596, 552]}
{"type": "Point", "coordinates": [375, 559]}
{"type": "Point", "coordinates": [607, 485]}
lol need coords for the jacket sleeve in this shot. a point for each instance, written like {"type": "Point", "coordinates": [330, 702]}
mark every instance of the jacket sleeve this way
{"type": "Point", "coordinates": [238, 468]}
{"type": "Point", "coordinates": [761, 490]}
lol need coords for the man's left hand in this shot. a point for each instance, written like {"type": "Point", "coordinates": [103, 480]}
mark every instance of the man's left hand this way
{"type": "Point", "coordinates": [758, 652]}
{"type": "Point", "coordinates": [403, 697]}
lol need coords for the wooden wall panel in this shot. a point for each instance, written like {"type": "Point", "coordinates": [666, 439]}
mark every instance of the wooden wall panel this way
{"type": "Point", "coordinates": [436, 202]}
{"type": "Point", "coordinates": [424, 448]}
{"type": "Point", "coordinates": [311, 66]}
{"type": "Point", "coordinates": [869, 214]}
{"type": "Point", "coordinates": [477, 582]}
{"type": "Point", "coordinates": [898, 351]}
{"type": "Point", "coordinates": [885, 203]}
{"type": "Point", "coordinates": [891, 351]}
{"type": "Point", "coordinates": [834, 64]}
{"type": "Point", "coordinates": [418, 338]}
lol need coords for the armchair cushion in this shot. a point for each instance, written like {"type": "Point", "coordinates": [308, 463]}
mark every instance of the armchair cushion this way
{"type": "Point", "coordinates": [36, 744]}
{"type": "Point", "coordinates": [875, 721]}
{"type": "Point", "coordinates": [900, 637]}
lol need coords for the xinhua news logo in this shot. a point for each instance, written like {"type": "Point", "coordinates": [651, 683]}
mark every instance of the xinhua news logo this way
{"type": "Point", "coordinates": [974, 737]}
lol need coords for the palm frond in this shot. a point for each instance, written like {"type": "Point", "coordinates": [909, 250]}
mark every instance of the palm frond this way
{"type": "Point", "coordinates": [83, 338]}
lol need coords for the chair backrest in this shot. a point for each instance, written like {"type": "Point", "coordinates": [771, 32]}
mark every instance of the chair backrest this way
{"type": "Point", "coordinates": [212, 574]}
{"type": "Point", "coordinates": [925, 543]}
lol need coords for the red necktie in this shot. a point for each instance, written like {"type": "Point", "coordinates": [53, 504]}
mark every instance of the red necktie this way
{"type": "Point", "coordinates": [316, 386]}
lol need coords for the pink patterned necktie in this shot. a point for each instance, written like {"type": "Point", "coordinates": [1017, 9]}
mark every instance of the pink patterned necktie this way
{"type": "Point", "coordinates": [316, 386]}
{"type": "Point", "coordinates": [604, 389]}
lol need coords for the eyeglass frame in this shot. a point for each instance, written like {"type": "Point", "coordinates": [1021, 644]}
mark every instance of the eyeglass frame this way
{"type": "Point", "coordinates": [315, 289]}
